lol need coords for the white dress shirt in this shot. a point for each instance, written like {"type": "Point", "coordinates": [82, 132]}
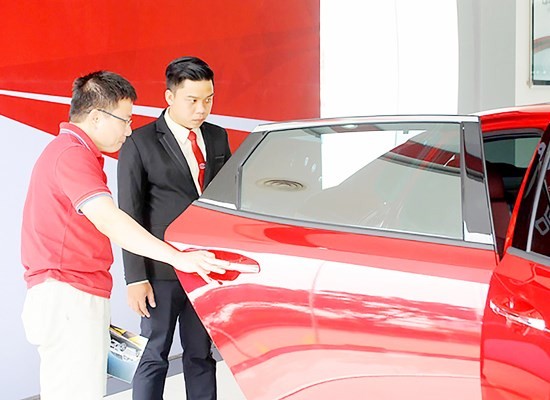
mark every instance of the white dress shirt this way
{"type": "Point", "coordinates": [182, 135]}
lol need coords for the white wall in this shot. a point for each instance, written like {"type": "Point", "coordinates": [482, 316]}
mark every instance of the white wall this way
{"type": "Point", "coordinates": [494, 47]}
{"type": "Point", "coordinates": [21, 146]}
{"type": "Point", "coordinates": [388, 57]}
{"type": "Point", "coordinates": [525, 93]}
{"type": "Point", "coordinates": [425, 56]}
{"type": "Point", "coordinates": [495, 38]}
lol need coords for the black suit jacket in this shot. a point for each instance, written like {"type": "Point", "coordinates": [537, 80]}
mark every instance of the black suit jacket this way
{"type": "Point", "coordinates": [155, 185]}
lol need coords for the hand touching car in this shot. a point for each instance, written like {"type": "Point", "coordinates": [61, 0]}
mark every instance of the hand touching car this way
{"type": "Point", "coordinates": [200, 262]}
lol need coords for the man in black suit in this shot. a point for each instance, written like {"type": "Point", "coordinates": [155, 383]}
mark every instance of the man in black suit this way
{"type": "Point", "coordinates": [162, 168]}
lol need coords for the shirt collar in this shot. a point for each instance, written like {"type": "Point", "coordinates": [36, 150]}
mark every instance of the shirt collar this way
{"type": "Point", "coordinates": [177, 129]}
{"type": "Point", "coordinates": [72, 129]}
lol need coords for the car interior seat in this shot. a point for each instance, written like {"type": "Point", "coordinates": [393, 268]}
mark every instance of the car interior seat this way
{"type": "Point", "coordinates": [499, 205]}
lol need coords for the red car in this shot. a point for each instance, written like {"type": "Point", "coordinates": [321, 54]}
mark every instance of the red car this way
{"type": "Point", "coordinates": [381, 257]}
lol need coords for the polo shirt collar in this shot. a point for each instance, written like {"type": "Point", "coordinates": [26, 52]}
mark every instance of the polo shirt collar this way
{"type": "Point", "coordinates": [71, 129]}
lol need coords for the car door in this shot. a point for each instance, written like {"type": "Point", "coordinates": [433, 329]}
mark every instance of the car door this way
{"type": "Point", "coordinates": [361, 253]}
{"type": "Point", "coordinates": [516, 333]}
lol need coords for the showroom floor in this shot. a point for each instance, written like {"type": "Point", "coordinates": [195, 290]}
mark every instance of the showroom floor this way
{"type": "Point", "coordinates": [175, 387]}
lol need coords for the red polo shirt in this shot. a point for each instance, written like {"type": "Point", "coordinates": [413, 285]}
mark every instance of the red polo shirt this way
{"type": "Point", "coordinates": [57, 240]}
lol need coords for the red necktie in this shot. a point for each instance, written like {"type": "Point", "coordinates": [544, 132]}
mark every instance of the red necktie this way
{"type": "Point", "coordinates": [198, 155]}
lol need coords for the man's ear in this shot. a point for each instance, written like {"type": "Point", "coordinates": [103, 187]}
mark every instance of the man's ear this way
{"type": "Point", "coordinates": [93, 117]}
{"type": "Point", "coordinates": [169, 97]}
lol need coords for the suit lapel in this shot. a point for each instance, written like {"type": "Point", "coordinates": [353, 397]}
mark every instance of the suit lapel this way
{"type": "Point", "coordinates": [170, 144]}
{"type": "Point", "coordinates": [210, 153]}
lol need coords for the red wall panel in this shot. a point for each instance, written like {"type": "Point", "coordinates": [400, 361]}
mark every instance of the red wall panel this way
{"type": "Point", "coordinates": [265, 54]}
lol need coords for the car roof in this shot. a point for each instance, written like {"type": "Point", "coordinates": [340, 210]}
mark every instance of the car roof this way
{"type": "Point", "coordinates": [535, 116]}
{"type": "Point", "coordinates": [311, 123]}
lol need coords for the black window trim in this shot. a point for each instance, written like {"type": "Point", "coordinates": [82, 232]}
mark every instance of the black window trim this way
{"type": "Point", "coordinates": [474, 191]}
{"type": "Point", "coordinates": [517, 133]}
{"type": "Point", "coordinates": [540, 181]}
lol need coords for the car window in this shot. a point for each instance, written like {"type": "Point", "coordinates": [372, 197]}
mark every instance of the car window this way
{"type": "Point", "coordinates": [510, 157]}
{"type": "Point", "coordinates": [389, 176]}
{"type": "Point", "coordinates": [513, 151]}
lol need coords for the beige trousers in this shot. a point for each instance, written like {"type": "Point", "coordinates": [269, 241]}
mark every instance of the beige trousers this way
{"type": "Point", "coordinates": [71, 330]}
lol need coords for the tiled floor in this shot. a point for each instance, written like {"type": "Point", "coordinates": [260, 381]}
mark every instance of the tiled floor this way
{"type": "Point", "coordinates": [175, 387]}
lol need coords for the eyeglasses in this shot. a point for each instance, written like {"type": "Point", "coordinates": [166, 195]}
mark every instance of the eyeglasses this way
{"type": "Point", "coordinates": [127, 121]}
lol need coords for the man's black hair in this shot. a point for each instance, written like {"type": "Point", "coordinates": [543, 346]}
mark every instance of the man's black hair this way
{"type": "Point", "coordinates": [191, 68]}
{"type": "Point", "coordinates": [100, 89]}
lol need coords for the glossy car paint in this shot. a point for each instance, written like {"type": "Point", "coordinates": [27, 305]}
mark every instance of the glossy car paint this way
{"type": "Point", "coordinates": [515, 345]}
{"type": "Point", "coordinates": [515, 355]}
{"type": "Point", "coordinates": [339, 320]}
{"type": "Point", "coordinates": [525, 117]}
{"type": "Point", "coordinates": [361, 313]}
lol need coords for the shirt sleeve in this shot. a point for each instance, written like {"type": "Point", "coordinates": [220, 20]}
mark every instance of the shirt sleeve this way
{"type": "Point", "coordinates": [80, 175]}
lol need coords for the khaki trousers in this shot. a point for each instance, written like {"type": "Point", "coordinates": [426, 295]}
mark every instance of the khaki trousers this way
{"type": "Point", "coordinates": [71, 330]}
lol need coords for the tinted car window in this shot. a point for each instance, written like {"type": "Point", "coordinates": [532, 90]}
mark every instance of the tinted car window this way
{"type": "Point", "coordinates": [401, 177]}
{"type": "Point", "coordinates": [512, 151]}
{"type": "Point", "coordinates": [510, 157]}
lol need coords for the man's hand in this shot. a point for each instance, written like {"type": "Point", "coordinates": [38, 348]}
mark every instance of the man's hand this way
{"type": "Point", "coordinates": [138, 296]}
{"type": "Point", "coordinates": [200, 262]}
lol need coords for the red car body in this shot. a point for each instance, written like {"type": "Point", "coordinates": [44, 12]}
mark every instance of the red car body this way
{"type": "Point", "coordinates": [317, 309]}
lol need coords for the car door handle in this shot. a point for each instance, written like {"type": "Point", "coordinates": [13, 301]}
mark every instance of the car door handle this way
{"type": "Point", "coordinates": [520, 317]}
{"type": "Point", "coordinates": [243, 268]}
{"type": "Point", "coordinates": [238, 264]}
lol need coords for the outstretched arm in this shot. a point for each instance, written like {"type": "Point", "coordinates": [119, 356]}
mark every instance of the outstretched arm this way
{"type": "Point", "coordinates": [128, 234]}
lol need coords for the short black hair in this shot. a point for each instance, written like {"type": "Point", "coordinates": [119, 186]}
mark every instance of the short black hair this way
{"type": "Point", "coordinates": [100, 89]}
{"type": "Point", "coordinates": [189, 67]}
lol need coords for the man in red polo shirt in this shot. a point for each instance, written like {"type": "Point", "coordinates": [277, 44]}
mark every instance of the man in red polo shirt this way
{"type": "Point", "coordinates": [68, 221]}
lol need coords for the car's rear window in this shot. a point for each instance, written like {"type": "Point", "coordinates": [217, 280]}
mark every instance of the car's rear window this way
{"type": "Point", "coordinates": [399, 177]}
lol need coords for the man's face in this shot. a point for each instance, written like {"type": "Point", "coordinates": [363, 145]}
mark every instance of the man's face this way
{"type": "Point", "coordinates": [190, 103]}
{"type": "Point", "coordinates": [112, 127]}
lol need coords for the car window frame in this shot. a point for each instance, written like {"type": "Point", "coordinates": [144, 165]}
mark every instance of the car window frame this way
{"type": "Point", "coordinates": [539, 184]}
{"type": "Point", "coordinates": [511, 134]}
{"type": "Point", "coordinates": [223, 194]}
